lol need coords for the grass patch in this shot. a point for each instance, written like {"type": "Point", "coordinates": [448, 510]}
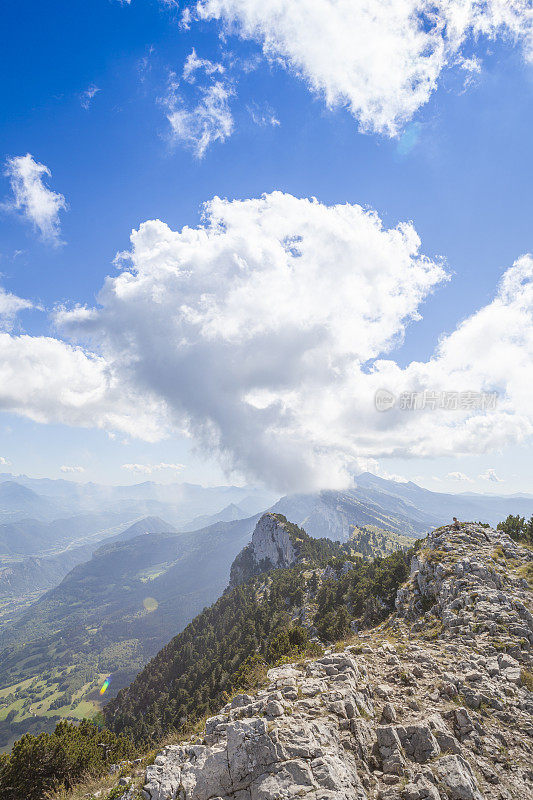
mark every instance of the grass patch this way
{"type": "Point", "coordinates": [526, 676]}
{"type": "Point", "coordinates": [526, 571]}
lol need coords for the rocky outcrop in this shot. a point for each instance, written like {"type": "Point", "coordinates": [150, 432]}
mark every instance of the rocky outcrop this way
{"type": "Point", "coordinates": [272, 547]}
{"type": "Point", "coordinates": [468, 583]}
{"type": "Point", "coordinates": [434, 704]}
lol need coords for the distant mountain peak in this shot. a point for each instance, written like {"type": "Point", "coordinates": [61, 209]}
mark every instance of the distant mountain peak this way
{"type": "Point", "coordinates": [272, 541]}
{"type": "Point", "coordinates": [272, 547]}
{"type": "Point", "coordinates": [278, 544]}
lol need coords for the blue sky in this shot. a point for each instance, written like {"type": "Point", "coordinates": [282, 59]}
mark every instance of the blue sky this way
{"type": "Point", "coordinates": [459, 169]}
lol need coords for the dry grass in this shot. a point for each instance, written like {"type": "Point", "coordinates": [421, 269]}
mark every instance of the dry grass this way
{"type": "Point", "coordinates": [526, 571]}
{"type": "Point", "coordinates": [526, 677]}
{"type": "Point", "coordinates": [86, 789]}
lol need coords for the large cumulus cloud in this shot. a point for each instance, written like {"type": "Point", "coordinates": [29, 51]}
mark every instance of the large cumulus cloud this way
{"type": "Point", "coordinates": [380, 58]}
{"type": "Point", "coordinates": [264, 333]}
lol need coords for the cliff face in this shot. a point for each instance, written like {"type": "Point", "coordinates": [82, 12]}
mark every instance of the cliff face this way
{"type": "Point", "coordinates": [434, 704]}
{"type": "Point", "coordinates": [272, 547]}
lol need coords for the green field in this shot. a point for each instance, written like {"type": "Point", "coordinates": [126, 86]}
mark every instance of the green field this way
{"type": "Point", "coordinates": [60, 693]}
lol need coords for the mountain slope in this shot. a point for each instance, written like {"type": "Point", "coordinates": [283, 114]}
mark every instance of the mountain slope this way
{"type": "Point", "coordinates": [441, 506]}
{"type": "Point", "coordinates": [182, 501]}
{"type": "Point", "coordinates": [36, 538]}
{"type": "Point", "coordinates": [402, 508]}
{"type": "Point", "coordinates": [29, 576]}
{"type": "Point", "coordinates": [287, 591]}
{"type": "Point", "coordinates": [433, 704]}
{"type": "Point", "coordinates": [18, 502]}
{"type": "Point", "coordinates": [109, 615]}
{"type": "Point", "coordinates": [334, 514]}
{"type": "Point", "coordinates": [228, 514]}
{"type": "Point", "coordinates": [279, 544]}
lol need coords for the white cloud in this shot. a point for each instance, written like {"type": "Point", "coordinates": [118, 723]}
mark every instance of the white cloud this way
{"type": "Point", "coordinates": [32, 198]}
{"type": "Point", "coordinates": [87, 96]}
{"type": "Point", "coordinates": [372, 465]}
{"type": "Point", "coordinates": [72, 470]}
{"type": "Point", "coordinates": [199, 126]}
{"type": "Point", "coordinates": [458, 476]}
{"type": "Point", "coordinates": [264, 333]}
{"type": "Point", "coordinates": [208, 118]}
{"type": "Point", "coordinates": [186, 19]}
{"type": "Point", "coordinates": [194, 64]}
{"type": "Point", "coordinates": [4, 462]}
{"type": "Point", "coordinates": [381, 59]}
{"type": "Point", "coordinates": [490, 475]}
{"type": "Point", "coordinates": [263, 115]}
{"type": "Point", "coordinates": [149, 469]}
{"type": "Point", "coordinates": [10, 305]}
{"type": "Point", "coordinates": [48, 380]}
{"type": "Point", "coordinates": [252, 326]}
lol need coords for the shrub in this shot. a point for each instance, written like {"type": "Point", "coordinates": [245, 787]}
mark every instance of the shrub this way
{"type": "Point", "coordinates": [44, 763]}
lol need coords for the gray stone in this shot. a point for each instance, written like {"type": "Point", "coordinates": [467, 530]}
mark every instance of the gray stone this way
{"type": "Point", "coordinates": [314, 732]}
{"type": "Point", "coordinates": [456, 774]}
{"type": "Point", "coordinates": [388, 713]}
{"type": "Point", "coordinates": [274, 709]}
{"type": "Point", "coordinates": [418, 742]}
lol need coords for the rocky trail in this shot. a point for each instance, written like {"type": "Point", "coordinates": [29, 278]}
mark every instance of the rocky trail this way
{"type": "Point", "coordinates": [434, 704]}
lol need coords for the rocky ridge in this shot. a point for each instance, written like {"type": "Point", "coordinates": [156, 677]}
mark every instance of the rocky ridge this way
{"type": "Point", "coordinates": [272, 547]}
{"type": "Point", "coordinates": [434, 704]}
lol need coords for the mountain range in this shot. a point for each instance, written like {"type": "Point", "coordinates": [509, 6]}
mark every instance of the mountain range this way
{"type": "Point", "coordinates": [403, 508]}
{"type": "Point", "coordinates": [41, 517]}
{"type": "Point", "coordinates": [431, 666]}
{"type": "Point", "coordinates": [110, 604]}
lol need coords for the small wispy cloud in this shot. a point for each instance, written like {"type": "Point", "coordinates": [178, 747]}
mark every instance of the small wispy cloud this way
{"type": "Point", "coordinates": [87, 96]}
{"type": "Point", "coordinates": [472, 68]}
{"type": "Point", "coordinates": [71, 469]}
{"type": "Point", "coordinates": [263, 115]}
{"type": "Point", "coordinates": [149, 469]}
{"type": "Point", "coordinates": [186, 19]}
{"type": "Point", "coordinates": [193, 64]}
{"type": "Point", "coordinates": [207, 122]}
{"type": "Point", "coordinates": [490, 475]}
{"type": "Point", "coordinates": [459, 476]}
{"type": "Point", "coordinates": [201, 115]}
{"type": "Point", "coordinates": [199, 124]}
{"type": "Point", "coordinates": [4, 462]}
{"type": "Point", "coordinates": [144, 66]}
{"type": "Point", "coordinates": [32, 198]}
{"type": "Point", "coordinates": [10, 305]}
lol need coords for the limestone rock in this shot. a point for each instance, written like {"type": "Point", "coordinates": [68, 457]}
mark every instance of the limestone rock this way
{"type": "Point", "coordinates": [457, 776]}
{"type": "Point", "coordinates": [380, 720]}
{"type": "Point", "coordinates": [271, 548]}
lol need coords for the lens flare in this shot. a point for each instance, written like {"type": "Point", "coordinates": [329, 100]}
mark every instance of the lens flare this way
{"type": "Point", "coordinates": [150, 604]}
{"type": "Point", "coordinates": [104, 686]}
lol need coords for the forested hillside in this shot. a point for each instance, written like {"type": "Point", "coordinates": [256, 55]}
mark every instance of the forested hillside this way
{"type": "Point", "coordinates": [107, 618]}
{"type": "Point", "coordinates": [283, 615]}
{"type": "Point", "coordinates": [229, 645]}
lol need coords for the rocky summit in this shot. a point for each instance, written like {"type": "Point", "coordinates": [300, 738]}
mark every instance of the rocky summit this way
{"type": "Point", "coordinates": [273, 546]}
{"type": "Point", "coordinates": [434, 704]}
